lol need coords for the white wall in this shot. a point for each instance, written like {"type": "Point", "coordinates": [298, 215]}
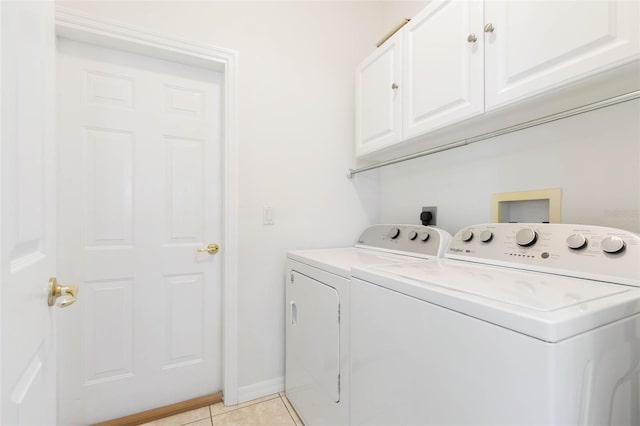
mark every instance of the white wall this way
{"type": "Point", "coordinates": [393, 12]}
{"type": "Point", "coordinates": [296, 115]}
{"type": "Point", "coordinates": [594, 158]}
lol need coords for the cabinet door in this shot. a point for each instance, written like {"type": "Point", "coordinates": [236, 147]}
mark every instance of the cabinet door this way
{"type": "Point", "coordinates": [539, 45]}
{"type": "Point", "coordinates": [379, 98]}
{"type": "Point", "coordinates": [443, 66]}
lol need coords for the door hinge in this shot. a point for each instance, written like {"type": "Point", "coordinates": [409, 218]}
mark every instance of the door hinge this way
{"type": "Point", "coordinates": [339, 383]}
{"type": "Point", "coordinates": [292, 277]}
{"type": "Point", "coordinates": [339, 314]}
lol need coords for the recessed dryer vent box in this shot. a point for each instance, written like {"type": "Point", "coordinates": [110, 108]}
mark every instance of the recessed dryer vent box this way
{"type": "Point", "coordinates": [541, 205]}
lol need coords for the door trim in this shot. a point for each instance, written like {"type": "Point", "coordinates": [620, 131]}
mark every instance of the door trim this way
{"type": "Point", "coordinates": [79, 26]}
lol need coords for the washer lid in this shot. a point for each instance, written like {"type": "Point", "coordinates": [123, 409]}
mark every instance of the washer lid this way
{"type": "Point", "coordinates": [340, 261]}
{"type": "Point", "coordinates": [545, 306]}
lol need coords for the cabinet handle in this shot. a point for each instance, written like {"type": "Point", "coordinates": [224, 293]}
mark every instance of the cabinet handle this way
{"type": "Point", "coordinates": [489, 28]}
{"type": "Point", "coordinates": [472, 38]}
{"type": "Point", "coordinates": [394, 86]}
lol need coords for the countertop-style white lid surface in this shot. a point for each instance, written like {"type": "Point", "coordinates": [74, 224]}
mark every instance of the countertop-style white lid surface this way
{"type": "Point", "coordinates": [546, 306]}
{"type": "Point", "coordinates": [339, 261]}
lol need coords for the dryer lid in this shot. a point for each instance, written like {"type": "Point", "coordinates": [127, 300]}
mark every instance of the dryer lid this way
{"type": "Point", "coordinates": [549, 307]}
{"type": "Point", "coordinates": [340, 261]}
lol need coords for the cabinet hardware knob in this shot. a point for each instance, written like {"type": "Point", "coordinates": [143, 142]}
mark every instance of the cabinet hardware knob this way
{"type": "Point", "coordinates": [394, 86]}
{"type": "Point", "coordinates": [489, 28]}
{"type": "Point", "coordinates": [472, 38]}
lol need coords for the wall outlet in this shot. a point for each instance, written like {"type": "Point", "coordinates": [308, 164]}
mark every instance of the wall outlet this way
{"type": "Point", "coordinates": [434, 213]}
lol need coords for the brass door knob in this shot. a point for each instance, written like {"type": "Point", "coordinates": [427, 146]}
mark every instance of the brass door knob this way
{"type": "Point", "coordinates": [56, 290]}
{"type": "Point", "coordinates": [211, 249]}
{"type": "Point", "coordinates": [472, 38]}
{"type": "Point", "coordinates": [489, 28]}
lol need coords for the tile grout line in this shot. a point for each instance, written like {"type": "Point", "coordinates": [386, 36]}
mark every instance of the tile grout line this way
{"type": "Point", "coordinates": [237, 406]}
{"type": "Point", "coordinates": [195, 421]}
{"type": "Point", "coordinates": [287, 408]}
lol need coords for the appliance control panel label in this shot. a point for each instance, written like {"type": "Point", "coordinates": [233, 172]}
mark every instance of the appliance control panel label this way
{"type": "Point", "coordinates": [591, 252]}
{"type": "Point", "coordinates": [417, 240]}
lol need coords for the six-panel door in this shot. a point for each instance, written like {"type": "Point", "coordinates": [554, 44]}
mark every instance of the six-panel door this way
{"type": "Point", "coordinates": [139, 179]}
{"type": "Point", "coordinates": [28, 214]}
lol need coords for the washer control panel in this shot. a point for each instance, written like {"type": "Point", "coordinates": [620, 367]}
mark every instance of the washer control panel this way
{"type": "Point", "coordinates": [592, 252]}
{"type": "Point", "coordinates": [412, 240]}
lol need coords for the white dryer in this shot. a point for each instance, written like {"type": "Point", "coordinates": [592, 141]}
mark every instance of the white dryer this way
{"type": "Point", "coordinates": [317, 315]}
{"type": "Point", "coordinates": [520, 324]}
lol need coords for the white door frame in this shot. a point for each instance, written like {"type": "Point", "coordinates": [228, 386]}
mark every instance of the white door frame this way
{"type": "Point", "coordinates": [79, 26]}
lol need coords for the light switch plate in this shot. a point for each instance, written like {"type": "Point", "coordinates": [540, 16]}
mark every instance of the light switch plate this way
{"type": "Point", "coordinates": [267, 215]}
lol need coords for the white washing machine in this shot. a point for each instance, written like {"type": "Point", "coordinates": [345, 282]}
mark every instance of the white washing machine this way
{"type": "Point", "coordinates": [520, 324]}
{"type": "Point", "coordinates": [317, 315]}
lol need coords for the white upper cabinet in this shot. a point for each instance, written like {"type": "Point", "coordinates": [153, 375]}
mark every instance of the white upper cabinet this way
{"type": "Point", "coordinates": [459, 59]}
{"type": "Point", "coordinates": [536, 46]}
{"type": "Point", "coordinates": [442, 66]}
{"type": "Point", "coordinates": [379, 98]}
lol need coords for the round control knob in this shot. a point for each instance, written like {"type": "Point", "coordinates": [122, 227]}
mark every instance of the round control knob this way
{"type": "Point", "coordinates": [486, 236]}
{"type": "Point", "coordinates": [394, 233]}
{"type": "Point", "coordinates": [424, 236]}
{"type": "Point", "coordinates": [526, 237]}
{"type": "Point", "coordinates": [576, 241]}
{"type": "Point", "coordinates": [612, 245]}
{"type": "Point", "coordinates": [466, 235]}
{"type": "Point", "coordinates": [413, 235]}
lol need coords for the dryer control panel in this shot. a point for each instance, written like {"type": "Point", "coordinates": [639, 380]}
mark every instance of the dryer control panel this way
{"type": "Point", "coordinates": [592, 252]}
{"type": "Point", "coordinates": [412, 240]}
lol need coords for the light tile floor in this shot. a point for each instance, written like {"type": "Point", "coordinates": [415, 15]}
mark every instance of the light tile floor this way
{"type": "Point", "coordinates": [272, 410]}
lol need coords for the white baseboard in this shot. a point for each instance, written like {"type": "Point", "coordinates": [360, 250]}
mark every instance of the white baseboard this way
{"type": "Point", "coordinates": [258, 390]}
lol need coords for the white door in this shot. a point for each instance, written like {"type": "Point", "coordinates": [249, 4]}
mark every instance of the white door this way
{"type": "Point", "coordinates": [139, 193]}
{"type": "Point", "coordinates": [443, 66]}
{"type": "Point", "coordinates": [538, 45]}
{"type": "Point", "coordinates": [27, 215]}
{"type": "Point", "coordinates": [379, 98]}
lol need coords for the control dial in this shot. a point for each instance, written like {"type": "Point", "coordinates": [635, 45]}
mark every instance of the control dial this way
{"type": "Point", "coordinates": [394, 233]}
{"type": "Point", "coordinates": [526, 237]}
{"type": "Point", "coordinates": [576, 241]}
{"type": "Point", "coordinates": [486, 236]}
{"type": "Point", "coordinates": [612, 245]}
{"type": "Point", "coordinates": [424, 236]}
{"type": "Point", "coordinates": [466, 235]}
{"type": "Point", "coordinates": [413, 235]}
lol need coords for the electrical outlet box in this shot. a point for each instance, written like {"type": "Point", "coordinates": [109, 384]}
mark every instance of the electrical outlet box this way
{"type": "Point", "coordinates": [540, 205]}
{"type": "Point", "coordinates": [434, 213]}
